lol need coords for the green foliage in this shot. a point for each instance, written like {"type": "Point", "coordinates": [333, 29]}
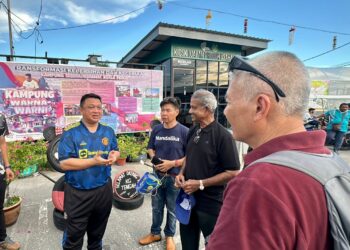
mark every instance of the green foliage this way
{"type": "Point", "coordinates": [132, 145]}
{"type": "Point", "coordinates": [26, 153]}
{"type": "Point", "coordinates": [12, 200]}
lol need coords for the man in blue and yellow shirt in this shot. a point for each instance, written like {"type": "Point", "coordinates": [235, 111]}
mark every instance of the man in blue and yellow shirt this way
{"type": "Point", "coordinates": [86, 151]}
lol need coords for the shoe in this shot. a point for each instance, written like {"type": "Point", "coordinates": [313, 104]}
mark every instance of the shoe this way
{"type": "Point", "coordinates": [9, 244]}
{"type": "Point", "coordinates": [149, 238]}
{"type": "Point", "coordinates": [170, 244]}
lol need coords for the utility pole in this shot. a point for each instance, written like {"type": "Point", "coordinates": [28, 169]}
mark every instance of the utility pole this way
{"type": "Point", "coordinates": [10, 29]}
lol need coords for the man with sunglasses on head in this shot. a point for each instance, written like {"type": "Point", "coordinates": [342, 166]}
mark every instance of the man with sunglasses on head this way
{"type": "Point", "coordinates": [166, 147]}
{"type": "Point", "coordinates": [211, 161]}
{"type": "Point", "coordinates": [268, 206]}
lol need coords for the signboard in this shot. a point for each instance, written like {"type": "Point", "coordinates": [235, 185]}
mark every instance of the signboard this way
{"type": "Point", "coordinates": [178, 62]}
{"type": "Point", "coordinates": [124, 184]}
{"type": "Point", "coordinates": [36, 96]}
{"type": "Point", "coordinates": [319, 88]}
{"type": "Point", "coordinates": [194, 53]}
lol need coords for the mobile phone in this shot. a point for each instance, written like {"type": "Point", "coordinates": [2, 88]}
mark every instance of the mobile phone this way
{"type": "Point", "coordinates": [156, 161]}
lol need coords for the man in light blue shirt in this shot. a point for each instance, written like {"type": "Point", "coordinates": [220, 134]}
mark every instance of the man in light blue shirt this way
{"type": "Point", "coordinates": [337, 125]}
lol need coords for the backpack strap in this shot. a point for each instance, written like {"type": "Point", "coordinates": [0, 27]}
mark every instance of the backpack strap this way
{"type": "Point", "coordinates": [334, 174]}
{"type": "Point", "coordinates": [321, 167]}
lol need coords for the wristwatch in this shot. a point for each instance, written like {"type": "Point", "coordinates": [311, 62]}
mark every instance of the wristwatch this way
{"type": "Point", "coordinates": [201, 186]}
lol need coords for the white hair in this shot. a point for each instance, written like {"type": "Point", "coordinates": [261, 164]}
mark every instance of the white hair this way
{"type": "Point", "coordinates": [206, 98]}
{"type": "Point", "coordinates": [286, 71]}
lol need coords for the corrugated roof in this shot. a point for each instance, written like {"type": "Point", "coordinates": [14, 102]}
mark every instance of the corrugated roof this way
{"type": "Point", "coordinates": [157, 32]}
{"type": "Point", "coordinates": [209, 31]}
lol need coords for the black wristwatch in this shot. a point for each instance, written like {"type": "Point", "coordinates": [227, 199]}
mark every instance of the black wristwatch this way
{"type": "Point", "coordinates": [7, 167]}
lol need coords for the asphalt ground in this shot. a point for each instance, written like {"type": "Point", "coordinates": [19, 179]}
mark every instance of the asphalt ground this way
{"type": "Point", "coordinates": [35, 229]}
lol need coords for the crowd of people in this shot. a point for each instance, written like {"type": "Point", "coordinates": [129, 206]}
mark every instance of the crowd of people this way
{"type": "Point", "coordinates": [265, 206]}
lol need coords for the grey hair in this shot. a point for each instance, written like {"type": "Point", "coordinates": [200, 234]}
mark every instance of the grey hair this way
{"type": "Point", "coordinates": [206, 98]}
{"type": "Point", "coordinates": [288, 72]}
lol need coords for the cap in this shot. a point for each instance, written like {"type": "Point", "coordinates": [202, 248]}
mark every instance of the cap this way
{"type": "Point", "coordinates": [184, 204]}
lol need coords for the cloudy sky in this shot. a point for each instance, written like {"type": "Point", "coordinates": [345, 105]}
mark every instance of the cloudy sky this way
{"type": "Point", "coordinates": [123, 23]}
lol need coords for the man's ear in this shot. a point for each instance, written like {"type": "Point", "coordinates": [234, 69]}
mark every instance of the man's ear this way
{"type": "Point", "coordinates": [263, 106]}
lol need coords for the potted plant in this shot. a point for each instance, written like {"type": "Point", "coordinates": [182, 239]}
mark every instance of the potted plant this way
{"type": "Point", "coordinates": [123, 149]}
{"type": "Point", "coordinates": [140, 150]}
{"type": "Point", "coordinates": [12, 207]}
{"type": "Point", "coordinates": [27, 157]}
{"type": "Point", "coordinates": [132, 147]}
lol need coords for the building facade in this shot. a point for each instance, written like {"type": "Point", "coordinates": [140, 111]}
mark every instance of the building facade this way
{"type": "Point", "coordinates": [192, 59]}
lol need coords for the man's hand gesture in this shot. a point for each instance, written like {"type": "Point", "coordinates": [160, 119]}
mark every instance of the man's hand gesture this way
{"type": "Point", "coordinates": [9, 174]}
{"type": "Point", "coordinates": [100, 160]}
{"type": "Point", "coordinates": [113, 156]}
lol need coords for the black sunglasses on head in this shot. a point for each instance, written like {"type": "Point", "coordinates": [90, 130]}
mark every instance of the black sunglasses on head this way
{"type": "Point", "coordinates": [239, 64]}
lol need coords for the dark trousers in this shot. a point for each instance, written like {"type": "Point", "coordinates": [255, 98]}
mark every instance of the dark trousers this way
{"type": "Point", "coordinates": [335, 138]}
{"type": "Point", "coordinates": [87, 211]}
{"type": "Point", "coordinates": [199, 222]}
{"type": "Point", "coordinates": [2, 198]}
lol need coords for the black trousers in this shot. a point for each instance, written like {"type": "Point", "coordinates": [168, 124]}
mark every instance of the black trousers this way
{"type": "Point", "coordinates": [199, 222]}
{"type": "Point", "coordinates": [87, 211]}
{"type": "Point", "coordinates": [2, 198]}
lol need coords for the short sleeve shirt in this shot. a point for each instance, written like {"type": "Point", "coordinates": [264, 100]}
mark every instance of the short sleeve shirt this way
{"type": "Point", "coordinates": [78, 142]}
{"type": "Point", "coordinates": [169, 144]}
{"type": "Point", "coordinates": [337, 117]}
{"type": "Point", "coordinates": [214, 153]}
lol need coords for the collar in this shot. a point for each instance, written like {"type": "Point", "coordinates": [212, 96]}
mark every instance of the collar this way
{"type": "Point", "coordinates": [82, 124]}
{"type": "Point", "coordinates": [207, 128]}
{"type": "Point", "coordinates": [308, 141]}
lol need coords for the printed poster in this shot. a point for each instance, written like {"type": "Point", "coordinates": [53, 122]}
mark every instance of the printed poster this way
{"type": "Point", "coordinates": [37, 96]}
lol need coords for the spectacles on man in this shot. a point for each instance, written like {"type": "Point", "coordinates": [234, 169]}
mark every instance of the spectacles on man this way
{"type": "Point", "coordinates": [239, 64]}
{"type": "Point", "coordinates": [197, 137]}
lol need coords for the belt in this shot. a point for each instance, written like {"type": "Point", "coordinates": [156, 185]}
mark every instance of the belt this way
{"type": "Point", "coordinates": [166, 174]}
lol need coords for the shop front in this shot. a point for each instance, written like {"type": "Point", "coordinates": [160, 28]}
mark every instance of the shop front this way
{"type": "Point", "coordinates": [192, 59]}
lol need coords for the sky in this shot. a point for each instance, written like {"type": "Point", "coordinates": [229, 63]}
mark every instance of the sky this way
{"type": "Point", "coordinates": [316, 23]}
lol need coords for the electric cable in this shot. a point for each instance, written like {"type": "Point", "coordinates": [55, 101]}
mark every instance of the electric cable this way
{"type": "Point", "coordinates": [260, 19]}
{"type": "Point", "coordinates": [328, 51]}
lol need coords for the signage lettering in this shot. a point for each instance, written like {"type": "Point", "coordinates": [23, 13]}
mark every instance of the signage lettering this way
{"type": "Point", "coordinates": [200, 54]}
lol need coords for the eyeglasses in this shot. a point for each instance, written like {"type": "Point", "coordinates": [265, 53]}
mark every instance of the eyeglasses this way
{"type": "Point", "coordinates": [239, 64]}
{"type": "Point", "coordinates": [197, 137]}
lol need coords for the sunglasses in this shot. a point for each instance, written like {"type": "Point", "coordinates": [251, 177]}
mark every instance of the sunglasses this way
{"type": "Point", "coordinates": [197, 137]}
{"type": "Point", "coordinates": [171, 100]}
{"type": "Point", "coordinates": [239, 64]}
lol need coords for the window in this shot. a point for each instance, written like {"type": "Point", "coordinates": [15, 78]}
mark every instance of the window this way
{"type": "Point", "coordinates": [222, 93]}
{"type": "Point", "coordinates": [212, 74]}
{"type": "Point", "coordinates": [223, 74]}
{"type": "Point", "coordinates": [221, 118]}
{"type": "Point", "coordinates": [183, 77]}
{"type": "Point", "coordinates": [183, 83]}
{"type": "Point", "coordinates": [185, 117]}
{"type": "Point", "coordinates": [201, 73]}
{"type": "Point", "coordinates": [214, 91]}
{"type": "Point", "coordinates": [167, 81]}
